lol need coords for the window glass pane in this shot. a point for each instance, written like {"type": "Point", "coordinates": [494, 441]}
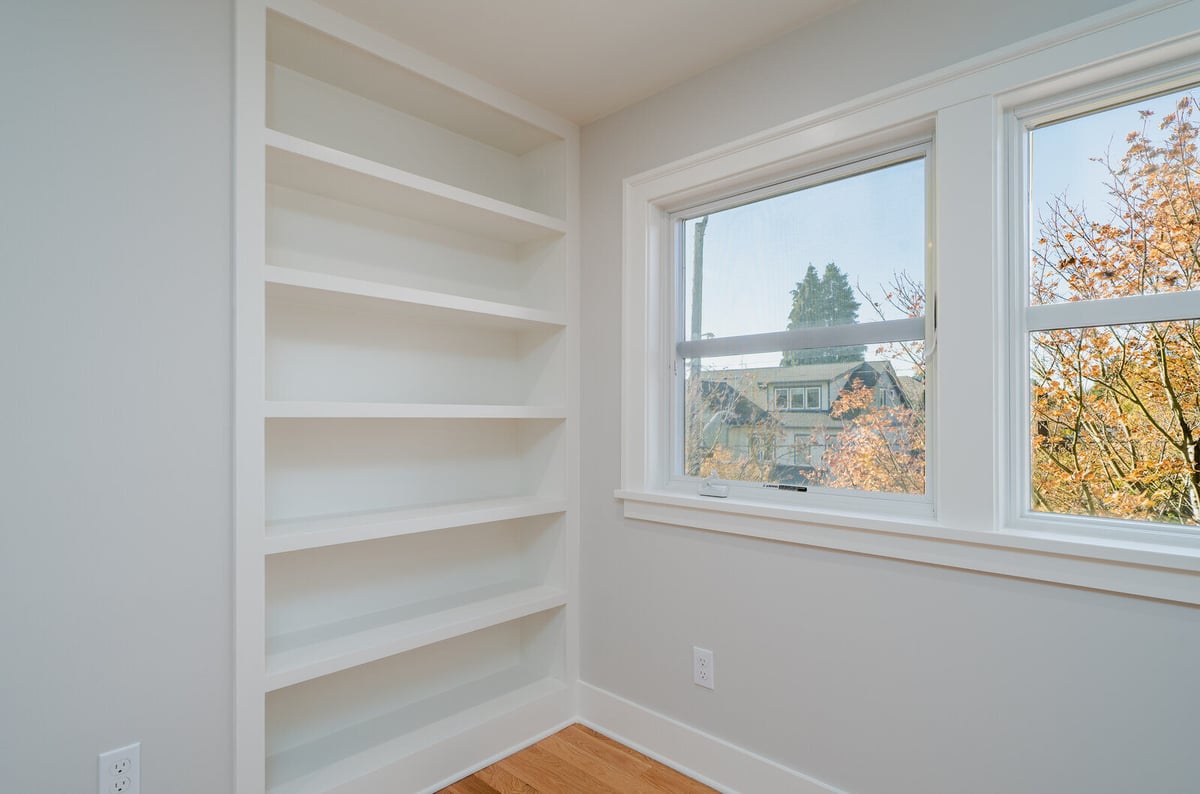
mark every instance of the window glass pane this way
{"type": "Point", "coordinates": [851, 250]}
{"type": "Point", "coordinates": [729, 429]}
{"type": "Point", "coordinates": [1116, 420]}
{"type": "Point", "coordinates": [1116, 202]}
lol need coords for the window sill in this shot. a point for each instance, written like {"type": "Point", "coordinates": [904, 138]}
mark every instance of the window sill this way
{"type": "Point", "coordinates": [1150, 570]}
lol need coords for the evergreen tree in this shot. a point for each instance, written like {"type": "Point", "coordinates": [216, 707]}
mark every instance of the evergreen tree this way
{"type": "Point", "coordinates": [806, 302]}
{"type": "Point", "coordinates": [820, 301]}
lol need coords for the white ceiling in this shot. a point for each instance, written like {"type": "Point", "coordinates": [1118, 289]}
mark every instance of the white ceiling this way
{"type": "Point", "coordinates": [584, 59]}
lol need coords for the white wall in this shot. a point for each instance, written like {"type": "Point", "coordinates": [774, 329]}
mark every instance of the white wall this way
{"type": "Point", "coordinates": [115, 499]}
{"type": "Point", "coordinates": [876, 676]}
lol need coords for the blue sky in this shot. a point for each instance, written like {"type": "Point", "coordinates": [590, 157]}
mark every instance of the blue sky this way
{"type": "Point", "coordinates": [872, 225]}
{"type": "Point", "coordinates": [1060, 153]}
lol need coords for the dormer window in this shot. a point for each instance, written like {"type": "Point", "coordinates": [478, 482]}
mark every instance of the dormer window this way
{"type": "Point", "coordinates": [799, 398]}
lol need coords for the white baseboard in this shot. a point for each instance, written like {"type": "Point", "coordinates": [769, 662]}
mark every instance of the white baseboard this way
{"type": "Point", "coordinates": [505, 753]}
{"type": "Point", "coordinates": [714, 762]}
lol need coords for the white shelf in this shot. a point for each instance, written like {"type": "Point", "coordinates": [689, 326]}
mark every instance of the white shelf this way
{"type": "Point", "coordinates": [324, 289]}
{"type": "Point", "coordinates": [304, 655]}
{"type": "Point", "coordinates": [312, 533]}
{"type": "Point", "coordinates": [278, 409]}
{"type": "Point", "coordinates": [316, 41]}
{"type": "Point", "coordinates": [313, 168]}
{"type": "Point", "coordinates": [320, 466]}
{"type": "Point", "coordinates": [327, 762]}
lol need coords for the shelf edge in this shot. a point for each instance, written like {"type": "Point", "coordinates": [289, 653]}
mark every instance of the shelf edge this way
{"type": "Point", "coordinates": [444, 625]}
{"type": "Point", "coordinates": [377, 290]}
{"type": "Point", "coordinates": [395, 524]}
{"type": "Point", "coordinates": [503, 211]}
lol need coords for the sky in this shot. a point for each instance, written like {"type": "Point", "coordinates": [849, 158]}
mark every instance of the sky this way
{"type": "Point", "coordinates": [1061, 154]}
{"type": "Point", "coordinates": [872, 226]}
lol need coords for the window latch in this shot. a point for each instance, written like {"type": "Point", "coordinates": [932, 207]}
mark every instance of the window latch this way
{"type": "Point", "coordinates": [710, 487]}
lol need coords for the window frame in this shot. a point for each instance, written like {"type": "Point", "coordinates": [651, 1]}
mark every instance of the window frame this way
{"type": "Point", "coordinates": [880, 153]}
{"type": "Point", "coordinates": [1039, 106]}
{"type": "Point", "coordinates": [969, 106]}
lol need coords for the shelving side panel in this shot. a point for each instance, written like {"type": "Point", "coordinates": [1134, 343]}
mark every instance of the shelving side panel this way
{"type": "Point", "coordinates": [318, 467]}
{"type": "Point", "coordinates": [309, 232]}
{"type": "Point", "coordinates": [376, 352]}
{"type": "Point", "coordinates": [248, 737]}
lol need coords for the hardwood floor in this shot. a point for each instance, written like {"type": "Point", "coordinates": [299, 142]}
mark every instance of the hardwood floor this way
{"type": "Point", "coordinates": [577, 760]}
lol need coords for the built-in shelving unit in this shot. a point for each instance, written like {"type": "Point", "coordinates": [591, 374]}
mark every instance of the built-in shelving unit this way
{"type": "Point", "coordinates": [407, 401]}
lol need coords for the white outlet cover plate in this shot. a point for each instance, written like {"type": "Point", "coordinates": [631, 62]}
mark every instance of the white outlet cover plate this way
{"type": "Point", "coordinates": [703, 672]}
{"type": "Point", "coordinates": [120, 771]}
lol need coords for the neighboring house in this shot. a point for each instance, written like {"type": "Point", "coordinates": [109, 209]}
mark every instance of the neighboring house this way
{"type": "Point", "coordinates": [782, 414]}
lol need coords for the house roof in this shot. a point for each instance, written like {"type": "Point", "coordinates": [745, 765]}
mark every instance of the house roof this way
{"type": "Point", "coordinates": [800, 373]}
{"type": "Point", "coordinates": [914, 390]}
{"type": "Point", "coordinates": [751, 387]}
{"type": "Point", "coordinates": [740, 410]}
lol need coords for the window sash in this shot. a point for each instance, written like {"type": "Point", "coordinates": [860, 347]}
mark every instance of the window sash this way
{"type": "Point", "coordinates": [1129, 310]}
{"type": "Point", "coordinates": [905, 330]}
{"type": "Point", "coordinates": [1029, 318]}
{"type": "Point", "coordinates": [910, 329]}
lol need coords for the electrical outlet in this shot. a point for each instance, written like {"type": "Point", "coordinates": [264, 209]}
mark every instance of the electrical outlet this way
{"type": "Point", "coordinates": [120, 771]}
{"type": "Point", "coordinates": [702, 668]}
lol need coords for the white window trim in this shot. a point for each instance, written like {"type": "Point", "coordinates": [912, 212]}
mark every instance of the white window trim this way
{"type": "Point", "coordinates": [1032, 107]}
{"type": "Point", "coordinates": [804, 388]}
{"type": "Point", "coordinates": [897, 144]}
{"type": "Point", "coordinates": [974, 525]}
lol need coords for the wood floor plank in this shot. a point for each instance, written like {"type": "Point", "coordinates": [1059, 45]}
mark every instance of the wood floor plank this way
{"type": "Point", "coordinates": [619, 777]}
{"type": "Point", "coordinates": [547, 772]}
{"type": "Point", "coordinates": [578, 760]}
{"type": "Point", "coordinates": [632, 758]}
{"type": "Point", "coordinates": [503, 781]}
{"type": "Point", "coordinates": [664, 778]}
{"type": "Point", "coordinates": [609, 751]}
{"type": "Point", "coordinates": [470, 785]}
{"type": "Point", "coordinates": [600, 740]}
{"type": "Point", "coordinates": [653, 776]}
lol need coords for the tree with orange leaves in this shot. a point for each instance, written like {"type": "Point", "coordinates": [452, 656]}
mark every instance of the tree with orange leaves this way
{"type": "Point", "coordinates": [1116, 410]}
{"type": "Point", "coordinates": [879, 448]}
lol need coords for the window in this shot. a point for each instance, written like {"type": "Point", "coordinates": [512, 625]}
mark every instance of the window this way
{"type": "Point", "coordinates": [798, 398]}
{"type": "Point", "coordinates": [1111, 335]}
{"type": "Point", "coordinates": [711, 357]}
{"type": "Point", "coordinates": [802, 307]}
